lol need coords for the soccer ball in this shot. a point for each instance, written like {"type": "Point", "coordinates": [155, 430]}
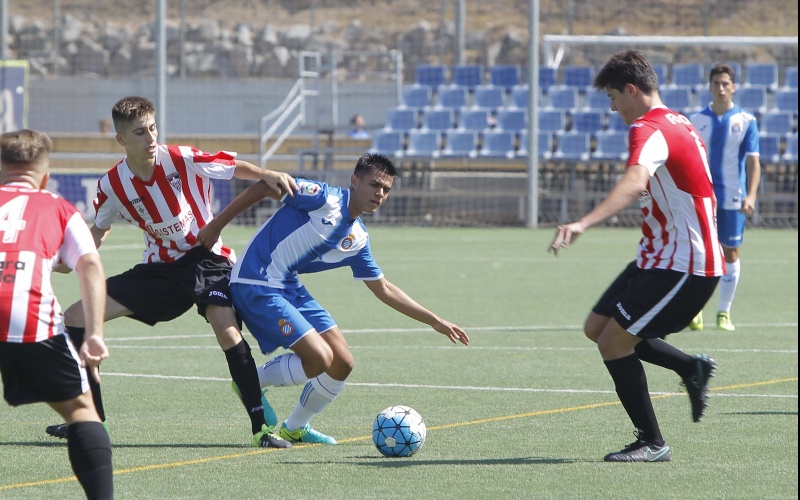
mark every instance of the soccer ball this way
{"type": "Point", "coordinates": [398, 431]}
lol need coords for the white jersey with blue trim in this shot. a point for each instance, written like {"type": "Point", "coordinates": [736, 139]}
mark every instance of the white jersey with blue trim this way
{"type": "Point", "coordinates": [312, 232]}
{"type": "Point", "coordinates": [729, 139]}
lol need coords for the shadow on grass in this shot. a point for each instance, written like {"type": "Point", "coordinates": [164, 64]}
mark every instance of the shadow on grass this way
{"type": "Point", "coordinates": [790, 413]}
{"type": "Point", "coordinates": [412, 461]}
{"type": "Point", "coordinates": [63, 442]}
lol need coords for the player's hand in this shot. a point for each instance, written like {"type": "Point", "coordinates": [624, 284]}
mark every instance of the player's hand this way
{"type": "Point", "coordinates": [93, 351]}
{"type": "Point", "coordinates": [452, 331]}
{"type": "Point", "coordinates": [565, 235]}
{"type": "Point", "coordinates": [748, 205]}
{"type": "Point", "coordinates": [280, 182]}
{"type": "Point", "coordinates": [209, 234]}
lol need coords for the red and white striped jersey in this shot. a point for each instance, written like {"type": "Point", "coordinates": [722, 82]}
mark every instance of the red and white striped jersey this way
{"type": "Point", "coordinates": [680, 226]}
{"type": "Point", "coordinates": [39, 229]}
{"type": "Point", "coordinates": [172, 206]}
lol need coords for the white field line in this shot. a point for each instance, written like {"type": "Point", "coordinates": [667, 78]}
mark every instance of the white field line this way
{"type": "Point", "coordinates": [448, 387]}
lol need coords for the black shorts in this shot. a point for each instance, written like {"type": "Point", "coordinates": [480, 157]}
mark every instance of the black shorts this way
{"type": "Point", "coordinates": [655, 302]}
{"type": "Point", "coordinates": [165, 290]}
{"type": "Point", "coordinates": [47, 371]}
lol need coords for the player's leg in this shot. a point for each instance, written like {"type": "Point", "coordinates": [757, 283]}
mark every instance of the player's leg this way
{"type": "Point", "coordinates": [730, 225]}
{"type": "Point", "coordinates": [75, 326]}
{"type": "Point", "coordinates": [319, 392]}
{"type": "Point", "coordinates": [88, 446]}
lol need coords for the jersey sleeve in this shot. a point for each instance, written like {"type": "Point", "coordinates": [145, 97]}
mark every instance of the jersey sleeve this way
{"type": "Point", "coordinates": [364, 266]}
{"type": "Point", "coordinates": [751, 142]}
{"type": "Point", "coordinates": [310, 195]}
{"type": "Point", "coordinates": [220, 165]}
{"type": "Point", "coordinates": [106, 204]}
{"type": "Point", "coordinates": [78, 241]}
{"type": "Point", "coordinates": [648, 147]}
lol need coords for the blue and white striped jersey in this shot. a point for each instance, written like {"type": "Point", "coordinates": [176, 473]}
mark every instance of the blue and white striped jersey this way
{"type": "Point", "coordinates": [312, 232]}
{"type": "Point", "coordinates": [729, 139]}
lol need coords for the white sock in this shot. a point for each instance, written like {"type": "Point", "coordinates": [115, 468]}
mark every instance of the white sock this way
{"type": "Point", "coordinates": [317, 394]}
{"type": "Point", "coordinates": [283, 370]}
{"type": "Point", "coordinates": [727, 285]}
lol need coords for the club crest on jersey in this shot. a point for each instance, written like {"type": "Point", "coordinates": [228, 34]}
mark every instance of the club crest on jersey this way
{"type": "Point", "coordinates": [308, 189]}
{"type": "Point", "coordinates": [347, 243]}
{"type": "Point", "coordinates": [175, 181]}
{"type": "Point", "coordinates": [736, 127]}
{"type": "Point", "coordinates": [285, 327]}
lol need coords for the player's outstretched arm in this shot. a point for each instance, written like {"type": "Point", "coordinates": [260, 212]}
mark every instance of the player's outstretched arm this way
{"type": "Point", "coordinates": [391, 295]}
{"type": "Point", "coordinates": [93, 299]}
{"type": "Point", "coordinates": [624, 193]}
{"type": "Point", "coordinates": [280, 182]}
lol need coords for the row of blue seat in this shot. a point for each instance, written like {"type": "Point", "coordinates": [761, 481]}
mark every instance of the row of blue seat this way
{"type": "Point", "coordinates": [570, 146]}
{"type": "Point", "coordinates": [549, 120]}
{"type": "Point", "coordinates": [679, 74]}
{"type": "Point", "coordinates": [682, 99]}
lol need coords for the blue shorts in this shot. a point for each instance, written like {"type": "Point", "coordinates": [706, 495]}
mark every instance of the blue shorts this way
{"type": "Point", "coordinates": [730, 227]}
{"type": "Point", "coordinates": [279, 318]}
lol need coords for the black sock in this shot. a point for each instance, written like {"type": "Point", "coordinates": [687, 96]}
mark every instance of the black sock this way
{"type": "Point", "coordinates": [244, 374]}
{"type": "Point", "coordinates": [76, 334]}
{"type": "Point", "coordinates": [660, 353]}
{"type": "Point", "coordinates": [630, 382]}
{"type": "Point", "coordinates": [89, 450]}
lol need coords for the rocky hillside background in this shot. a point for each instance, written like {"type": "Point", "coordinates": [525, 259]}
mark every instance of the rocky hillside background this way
{"type": "Point", "coordinates": [261, 38]}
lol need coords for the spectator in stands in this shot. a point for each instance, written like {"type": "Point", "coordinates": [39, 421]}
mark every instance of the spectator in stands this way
{"type": "Point", "coordinates": [319, 229]}
{"type": "Point", "coordinates": [731, 136]}
{"type": "Point", "coordinates": [165, 190]}
{"type": "Point", "coordinates": [357, 128]}
{"type": "Point", "coordinates": [37, 361]}
{"type": "Point", "coordinates": [678, 262]}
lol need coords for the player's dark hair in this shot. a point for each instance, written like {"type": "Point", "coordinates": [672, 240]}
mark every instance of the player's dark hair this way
{"type": "Point", "coordinates": [24, 147]}
{"type": "Point", "coordinates": [130, 108]}
{"type": "Point", "coordinates": [721, 69]}
{"type": "Point", "coordinates": [375, 162]}
{"type": "Point", "coordinates": [624, 68]}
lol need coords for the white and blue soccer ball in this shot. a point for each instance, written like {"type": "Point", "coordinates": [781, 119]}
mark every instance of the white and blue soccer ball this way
{"type": "Point", "coordinates": [398, 431]}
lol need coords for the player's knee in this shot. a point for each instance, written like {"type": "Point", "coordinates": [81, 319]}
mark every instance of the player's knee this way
{"type": "Point", "coordinates": [317, 362]}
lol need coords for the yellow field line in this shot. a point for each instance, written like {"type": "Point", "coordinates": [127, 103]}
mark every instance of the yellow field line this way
{"type": "Point", "coordinates": [363, 438]}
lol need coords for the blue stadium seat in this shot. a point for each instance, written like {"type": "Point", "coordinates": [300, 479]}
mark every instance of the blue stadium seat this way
{"type": "Point", "coordinates": [776, 122]}
{"type": "Point", "coordinates": [473, 119]}
{"type": "Point", "coordinates": [468, 75]}
{"type": "Point", "coordinates": [611, 146]}
{"type": "Point", "coordinates": [547, 77]}
{"type": "Point", "coordinates": [498, 144]}
{"type": "Point", "coordinates": [616, 124]}
{"type": "Point", "coordinates": [461, 144]}
{"type": "Point", "coordinates": [677, 98]}
{"type": "Point", "coordinates": [735, 66]}
{"type": "Point", "coordinates": [770, 148]}
{"type": "Point", "coordinates": [573, 146]}
{"type": "Point", "coordinates": [565, 98]}
{"type": "Point", "coordinates": [753, 98]}
{"type": "Point", "coordinates": [762, 75]}
{"type": "Point", "coordinates": [790, 155]}
{"type": "Point", "coordinates": [519, 97]}
{"type": "Point", "coordinates": [688, 75]}
{"type": "Point", "coordinates": [387, 142]}
{"type": "Point", "coordinates": [661, 73]}
{"type": "Point", "coordinates": [513, 120]}
{"type": "Point", "coordinates": [579, 77]}
{"type": "Point", "coordinates": [452, 96]}
{"type": "Point", "coordinates": [417, 96]}
{"type": "Point", "coordinates": [437, 119]}
{"type": "Point", "coordinates": [552, 120]}
{"type": "Point", "coordinates": [704, 97]}
{"type": "Point", "coordinates": [431, 75]}
{"type": "Point", "coordinates": [592, 121]}
{"type": "Point", "coordinates": [489, 96]}
{"type": "Point", "coordinates": [504, 76]}
{"type": "Point", "coordinates": [596, 100]}
{"type": "Point", "coordinates": [545, 145]}
{"type": "Point", "coordinates": [424, 143]}
{"type": "Point", "coordinates": [790, 78]}
{"type": "Point", "coordinates": [786, 100]}
{"type": "Point", "coordinates": [402, 119]}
